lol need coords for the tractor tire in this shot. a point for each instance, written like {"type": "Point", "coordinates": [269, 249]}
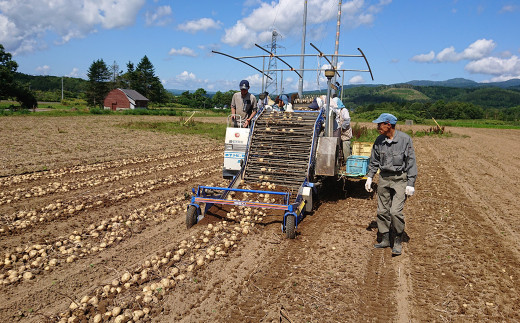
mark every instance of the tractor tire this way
{"type": "Point", "coordinates": [290, 227]}
{"type": "Point", "coordinates": [191, 216]}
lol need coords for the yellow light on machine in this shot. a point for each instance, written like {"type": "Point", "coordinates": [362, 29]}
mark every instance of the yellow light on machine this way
{"type": "Point", "coordinates": [329, 73]}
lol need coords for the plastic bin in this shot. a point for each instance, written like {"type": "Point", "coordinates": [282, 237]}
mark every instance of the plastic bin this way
{"type": "Point", "coordinates": [357, 165]}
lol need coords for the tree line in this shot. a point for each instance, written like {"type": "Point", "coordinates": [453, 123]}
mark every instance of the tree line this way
{"type": "Point", "coordinates": [418, 111]}
{"type": "Point", "coordinates": [141, 78]}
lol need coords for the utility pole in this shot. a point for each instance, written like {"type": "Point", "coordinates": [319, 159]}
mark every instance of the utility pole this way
{"type": "Point", "coordinates": [302, 58]}
{"type": "Point", "coordinates": [62, 89]}
{"type": "Point", "coordinates": [335, 58]}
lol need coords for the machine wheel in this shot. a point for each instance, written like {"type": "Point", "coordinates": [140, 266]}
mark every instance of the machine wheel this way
{"type": "Point", "coordinates": [191, 216]}
{"type": "Point", "coordinates": [290, 227]}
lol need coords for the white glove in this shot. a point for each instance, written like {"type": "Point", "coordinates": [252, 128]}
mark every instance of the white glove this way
{"type": "Point", "coordinates": [368, 184]}
{"type": "Point", "coordinates": [409, 190]}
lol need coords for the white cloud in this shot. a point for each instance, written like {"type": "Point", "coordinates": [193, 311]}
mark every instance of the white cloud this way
{"type": "Point", "coordinates": [201, 24]}
{"type": "Point", "coordinates": [238, 34]}
{"type": "Point", "coordinates": [285, 16]}
{"type": "Point", "coordinates": [495, 66]}
{"type": "Point", "coordinates": [502, 78]}
{"type": "Point", "coordinates": [184, 51]}
{"type": "Point", "coordinates": [358, 79]}
{"type": "Point", "coordinates": [186, 76]}
{"type": "Point", "coordinates": [74, 72]}
{"type": "Point", "coordinates": [161, 16]}
{"type": "Point", "coordinates": [188, 80]}
{"type": "Point", "coordinates": [43, 70]}
{"type": "Point", "coordinates": [448, 55]}
{"type": "Point", "coordinates": [423, 58]}
{"type": "Point", "coordinates": [477, 50]}
{"type": "Point", "coordinates": [509, 8]}
{"type": "Point", "coordinates": [25, 24]}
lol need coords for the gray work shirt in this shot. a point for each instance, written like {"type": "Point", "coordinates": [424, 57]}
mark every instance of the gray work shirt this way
{"type": "Point", "coordinates": [394, 156]}
{"type": "Point", "coordinates": [238, 102]}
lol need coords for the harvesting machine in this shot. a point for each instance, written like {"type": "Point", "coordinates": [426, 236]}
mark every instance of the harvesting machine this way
{"type": "Point", "coordinates": [278, 164]}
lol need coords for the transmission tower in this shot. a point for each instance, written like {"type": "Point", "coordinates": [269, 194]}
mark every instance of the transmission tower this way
{"type": "Point", "coordinates": [271, 70]}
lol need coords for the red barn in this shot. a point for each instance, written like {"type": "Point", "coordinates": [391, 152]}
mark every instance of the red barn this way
{"type": "Point", "coordinates": [120, 99]}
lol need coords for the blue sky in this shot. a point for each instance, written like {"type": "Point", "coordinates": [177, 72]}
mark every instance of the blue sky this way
{"type": "Point", "coordinates": [403, 40]}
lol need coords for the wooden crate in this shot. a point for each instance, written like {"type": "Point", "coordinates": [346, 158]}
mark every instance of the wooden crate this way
{"type": "Point", "coordinates": [362, 148]}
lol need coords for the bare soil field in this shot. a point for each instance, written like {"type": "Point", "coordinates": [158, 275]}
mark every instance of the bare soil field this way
{"type": "Point", "coordinates": [92, 229]}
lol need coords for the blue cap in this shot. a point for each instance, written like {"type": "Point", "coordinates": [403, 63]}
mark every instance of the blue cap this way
{"type": "Point", "coordinates": [244, 84]}
{"type": "Point", "coordinates": [386, 117]}
{"type": "Point", "coordinates": [285, 99]}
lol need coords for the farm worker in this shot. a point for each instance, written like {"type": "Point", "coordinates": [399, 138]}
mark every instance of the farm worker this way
{"type": "Point", "coordinates": [282, 103]}
{"type": "Point", "coordinates": [263, 99]}
{"type": "Point", "coordinates": [343, 131]}
{"type": "Point", "coordinates": [314, 104]}
{"type": "Point", "coordinates": [393, 154]}
{"type": "Point", "coordinates": [243, 104]}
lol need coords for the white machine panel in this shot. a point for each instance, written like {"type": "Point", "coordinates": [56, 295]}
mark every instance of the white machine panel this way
{"type": "Point", "coordinates": [235, 150]}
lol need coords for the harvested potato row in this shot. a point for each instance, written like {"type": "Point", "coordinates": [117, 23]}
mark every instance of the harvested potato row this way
{"type": "Point", "coordinates": [24, 219]}
{"type": "Point", "coordinates": [156, 277]}
{"type": "Point", "coordinates": [57, 173]}
{"type": "Point", "coordinates": [25, 263]}
{"type": "Point", "coordinates": [92, 181]}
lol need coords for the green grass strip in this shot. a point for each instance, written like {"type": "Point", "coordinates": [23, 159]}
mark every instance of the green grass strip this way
{"type": "Point", "coordinates": [209, 130]}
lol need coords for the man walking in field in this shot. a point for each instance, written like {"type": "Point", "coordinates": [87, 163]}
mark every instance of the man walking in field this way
{"type": "Point", "coordinates": [393, 154]}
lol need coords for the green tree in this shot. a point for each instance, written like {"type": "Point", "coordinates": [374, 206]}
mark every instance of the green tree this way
{"type": "Point", "coordinates": [8, 68]}
{"type": "Point", "coordinates": [11, 88]}
{"type": "Point", "coordinates": [148, 84]}
{"type": "Point", "coordinates": [143, 80]}
{"type": "Point", "coordinates": [98, 76]}
{"type": "Point", "coordinates": [26, 98]}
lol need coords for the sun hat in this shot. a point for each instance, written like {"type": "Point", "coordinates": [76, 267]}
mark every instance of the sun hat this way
{"type": "Point", "coordinates": [386, 117]}
{"type": "Point", "coordinates": [284, 98]}
{"type": "Point", "coordinates": [314, 105]}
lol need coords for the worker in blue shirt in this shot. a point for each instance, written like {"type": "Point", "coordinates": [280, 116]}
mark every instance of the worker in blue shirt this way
{"type": "Point", "coordinates": [394, 156]}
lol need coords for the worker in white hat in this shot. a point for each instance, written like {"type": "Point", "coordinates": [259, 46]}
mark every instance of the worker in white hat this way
{"type": "Point", "coordinates": [342, 127]}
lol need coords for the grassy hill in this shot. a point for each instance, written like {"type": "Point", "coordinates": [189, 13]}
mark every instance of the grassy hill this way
{"type": "Point", "coordinates": [406, 94]}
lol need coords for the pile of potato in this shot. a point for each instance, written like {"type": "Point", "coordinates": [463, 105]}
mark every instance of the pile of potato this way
{"type": "Point", "coordinates": [151, 280]}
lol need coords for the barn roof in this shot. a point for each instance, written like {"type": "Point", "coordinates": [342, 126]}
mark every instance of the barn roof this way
{"type": "Point", "coordinates": [134, 95]}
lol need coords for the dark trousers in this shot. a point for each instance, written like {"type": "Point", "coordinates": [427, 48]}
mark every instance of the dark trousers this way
{"type": "Point", "coordinates": [390, 202]}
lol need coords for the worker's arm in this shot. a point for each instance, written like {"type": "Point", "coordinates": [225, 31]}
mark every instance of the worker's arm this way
{"type": "Point", "coordinates": [248, 120]}
{"type": "Point", "coordinates": [254, 105]}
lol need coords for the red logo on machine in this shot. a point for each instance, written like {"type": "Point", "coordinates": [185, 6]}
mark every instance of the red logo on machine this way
{"type": "Point", "coordinates": [237, 134]}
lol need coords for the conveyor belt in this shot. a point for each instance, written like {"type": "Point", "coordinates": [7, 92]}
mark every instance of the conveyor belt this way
{"type": "Point", "coordinates": [280, 148]}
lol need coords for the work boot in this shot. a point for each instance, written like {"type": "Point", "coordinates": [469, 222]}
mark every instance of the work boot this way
{"type": "Point", "coordinates": [397, 249]}
{"type": "Point", "coordinates": [385, 242]}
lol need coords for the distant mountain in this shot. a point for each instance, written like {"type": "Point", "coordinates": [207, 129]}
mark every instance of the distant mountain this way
{"type": "Point", "coordinates": [506, 84]}
{"type": "Point", "coordinates": [456, 82]}
{"type": "Point", "coordinates": [179, 92]}
{"type": "Point", "coordinates": [465, 83]}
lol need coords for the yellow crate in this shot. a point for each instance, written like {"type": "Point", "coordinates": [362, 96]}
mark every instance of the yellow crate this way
{"type": "Point", "coordinates": [361, 148]}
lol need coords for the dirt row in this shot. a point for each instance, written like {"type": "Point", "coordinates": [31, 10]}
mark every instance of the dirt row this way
{"type": "Point", "coordinates": [460, 260]}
